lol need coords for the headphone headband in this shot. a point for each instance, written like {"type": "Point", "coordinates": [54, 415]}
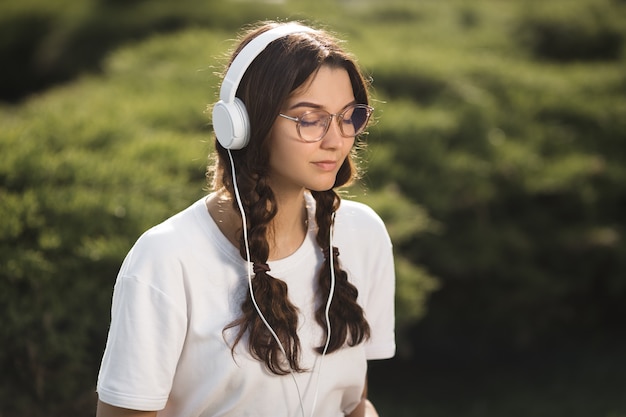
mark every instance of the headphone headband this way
{"type": "Point", "coordinates": [245, 57]}
{"type": "Point", "coordinates": [230, 117]}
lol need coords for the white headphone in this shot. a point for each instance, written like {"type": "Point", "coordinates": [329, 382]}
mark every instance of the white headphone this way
{"type": "Point", "coordinates": [230, 117]}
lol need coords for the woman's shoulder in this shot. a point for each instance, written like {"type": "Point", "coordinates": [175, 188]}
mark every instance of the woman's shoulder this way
{"type": "Point", "coordinates": [158, 254]}
{"type": "Point", "coordinates": [360, 218]}
{"type": "Point", "coordinates": [361, 236]}
{"type": "Point", "coordinates": [358, 211]}
{"type": "Point", "coordinates": [174, 234]}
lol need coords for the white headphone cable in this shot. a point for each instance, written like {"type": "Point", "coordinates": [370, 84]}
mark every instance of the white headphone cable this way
{"type": "Point", "coordinates": [327, 310]}
{"type": "Point", "coordinates": [249, 271]}
{"type": "Point", "coordinates": [256, 306]}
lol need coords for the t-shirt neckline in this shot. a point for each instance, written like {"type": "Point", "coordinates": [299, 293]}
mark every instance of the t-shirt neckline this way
{"type": "Point", "coordinates": [306, 249]}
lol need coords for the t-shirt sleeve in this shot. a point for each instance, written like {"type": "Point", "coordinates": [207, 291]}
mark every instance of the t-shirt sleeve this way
{"type": "Point", "coordinates": [378, 286]}
{"type": "Point", "coordinates": [148, 327]}
{"type": "Point", "coordinates": [379, 303]}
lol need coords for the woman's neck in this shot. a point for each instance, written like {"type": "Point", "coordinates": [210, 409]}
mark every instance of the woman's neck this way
{"type": "Point", "coordinates": [285, 233]}
{"type": "Point", "coordinates": [288, 229]}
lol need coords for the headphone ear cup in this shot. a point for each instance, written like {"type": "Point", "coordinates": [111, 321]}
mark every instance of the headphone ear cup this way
{"type": "Point", "coordinates": [231, 124]}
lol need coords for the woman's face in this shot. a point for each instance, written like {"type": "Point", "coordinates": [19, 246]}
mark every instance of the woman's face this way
{"type": "Point", "coordinates": [296, 165]}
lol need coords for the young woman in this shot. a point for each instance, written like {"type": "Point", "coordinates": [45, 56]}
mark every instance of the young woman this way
{"type": "Point", "coordinates": [277, 318]}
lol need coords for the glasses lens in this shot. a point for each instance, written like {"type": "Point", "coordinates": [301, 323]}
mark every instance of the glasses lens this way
{"type": "Point", "coordinates": [313, 125]}
{"type": "Point", "coordinates": [354, 120]}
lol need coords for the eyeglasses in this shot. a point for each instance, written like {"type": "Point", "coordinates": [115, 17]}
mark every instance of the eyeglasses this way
{"type": "Point", "coordinates": [313, 125]}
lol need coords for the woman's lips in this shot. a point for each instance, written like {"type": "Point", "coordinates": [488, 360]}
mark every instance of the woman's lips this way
{"type": "Point", "coordinates": [326, 165]}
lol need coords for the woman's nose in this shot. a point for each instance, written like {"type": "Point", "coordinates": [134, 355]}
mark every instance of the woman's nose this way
{"type": "Point", "coordinates": [333, 137]}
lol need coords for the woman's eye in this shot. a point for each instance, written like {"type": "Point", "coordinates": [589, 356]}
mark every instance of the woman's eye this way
{"type": "Point", "coordinates": [308, 123]}
{"type": "Point", "coordinates": [311, 121]}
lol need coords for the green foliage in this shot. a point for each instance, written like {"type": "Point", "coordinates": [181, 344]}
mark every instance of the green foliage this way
{"type": "Point", "coordinates": [23, 27]}
{"type": "Point", "coordinates": [567, 31]}
{"type": "Point", "coordinates": [83, 171]}
{"type": "Point", "coordinates": [521, 162]}
{"type": "Point", "coordinates": [44, 43]}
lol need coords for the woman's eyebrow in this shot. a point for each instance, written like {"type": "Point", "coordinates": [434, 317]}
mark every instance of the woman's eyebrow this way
{"type": "Point", "coordinates": [305, 104]}
{"type": "Point", "coordinates": [314, 105]}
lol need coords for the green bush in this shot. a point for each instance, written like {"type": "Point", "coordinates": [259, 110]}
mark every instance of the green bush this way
{"type": "Point", "coordinates": [45, 43]}
{"type": "Point", "coordinates": [83, 172]}
{"type": "Point", "coordinates": [566, 31]}
{"type": "Point", "coordinates": [521, 164]}
{"type": "Point", "coordinates": [22, 29]}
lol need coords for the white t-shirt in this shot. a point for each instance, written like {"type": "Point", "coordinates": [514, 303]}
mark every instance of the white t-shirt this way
{"type": "Point", "coordinates": [183, 282]}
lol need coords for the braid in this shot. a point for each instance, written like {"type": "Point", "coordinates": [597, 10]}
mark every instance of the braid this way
{"type": "Point", "coordinates": [270, 293]}
{"type": "Point", "coordinates": [347, 320]}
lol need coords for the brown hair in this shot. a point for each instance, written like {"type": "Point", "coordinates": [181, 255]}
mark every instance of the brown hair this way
{"type": "Point", "coordinates": [277, 72]}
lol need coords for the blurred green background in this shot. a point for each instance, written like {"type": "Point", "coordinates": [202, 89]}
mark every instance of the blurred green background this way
{"type": "Point", "coordinates": [498, 161]}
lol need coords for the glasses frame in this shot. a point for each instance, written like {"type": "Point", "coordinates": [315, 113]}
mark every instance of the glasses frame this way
{"type": "Point", "coordinates": [337, 116]}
